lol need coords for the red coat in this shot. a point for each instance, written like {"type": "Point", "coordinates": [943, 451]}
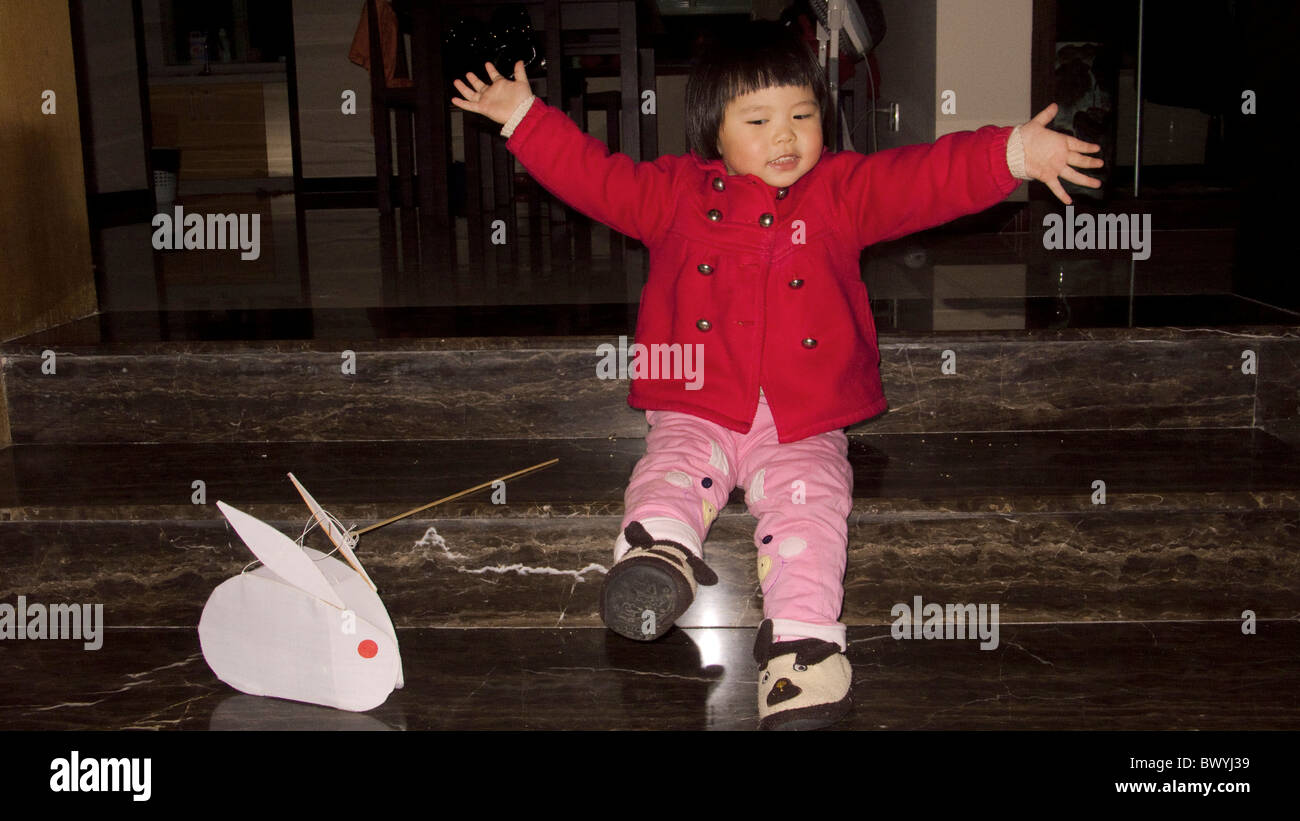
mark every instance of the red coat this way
{"type": "Point", "coordinates": [768, 309]}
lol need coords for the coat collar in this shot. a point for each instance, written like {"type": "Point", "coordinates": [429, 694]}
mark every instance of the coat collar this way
{"type": "Point", "coordinates": [714, 169]}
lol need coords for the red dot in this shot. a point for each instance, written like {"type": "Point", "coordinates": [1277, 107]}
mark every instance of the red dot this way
{"type": "Point", "coordinates": [368, 649]}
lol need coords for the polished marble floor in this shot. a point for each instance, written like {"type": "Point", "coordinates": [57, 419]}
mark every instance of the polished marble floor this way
{"type": "Point", "coordinates": [1114, 676]}
{"type": "Point", "coordinates": [342, 261]}
{"type": "Point", "coordinates": [903, 472]}
{"type": "Point", "coordinates": [613, 319]}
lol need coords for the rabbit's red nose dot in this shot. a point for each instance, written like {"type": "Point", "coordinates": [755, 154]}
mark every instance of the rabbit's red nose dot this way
{"type": "Point", "coordinates": [368, 649]}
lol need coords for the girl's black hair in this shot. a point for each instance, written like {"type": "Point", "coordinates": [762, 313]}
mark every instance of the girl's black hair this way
{"type": "Point", "coordinates": [756, 55]}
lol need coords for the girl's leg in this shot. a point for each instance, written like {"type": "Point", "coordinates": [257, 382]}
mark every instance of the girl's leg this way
{"type": "Point", "coordinates": [802, 494]}
{"type": "Point", "coordinates": [673, 497]}
{"type": "Point", "coordinates": [683, 480]}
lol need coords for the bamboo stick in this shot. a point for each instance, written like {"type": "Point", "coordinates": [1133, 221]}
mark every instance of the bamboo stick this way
{"type": "Point", "coordinates": [516, 474]}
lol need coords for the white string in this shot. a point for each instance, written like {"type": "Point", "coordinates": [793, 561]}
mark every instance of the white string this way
{"type": "Point", "coordinates": [349, 537]}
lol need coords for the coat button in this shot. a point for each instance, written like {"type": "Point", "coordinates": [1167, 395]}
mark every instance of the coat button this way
{"type": "Point", "coordinates": [704, 324]}
{"type": "Point", "coordinates": [704, 268]}
{"type": "Point", "coordinates": [781, 192]}
{"type": "Point", "coordinates": [796, 283]}
{"type": "Point", "coordinates": [718, 184]}
{"type": "Point", "coordinates": [715, 215]}
{"type": "Point", "coordinates": [809, 342]}
{"type": "Point", "coordinates": [766, 220]}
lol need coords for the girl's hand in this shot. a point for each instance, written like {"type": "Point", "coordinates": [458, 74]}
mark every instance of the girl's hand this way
{"type": "Point", "coordinates": [1049, 155]}
{"type": "Point", "coordinates": [498, 100]}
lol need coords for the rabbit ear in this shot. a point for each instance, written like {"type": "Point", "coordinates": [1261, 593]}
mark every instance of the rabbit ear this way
{"type": "Point", "coordinates": [339, 538]}
{"type": "Point", "coordinates": [281, 555]}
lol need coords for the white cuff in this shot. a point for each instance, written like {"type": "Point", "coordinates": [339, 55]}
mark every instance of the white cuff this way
{"type": "Point", "coordinates": [663, 529]}
{"type": "Point", "coordinates": [789, 628]}
{"type": "Point", "coordinates": [1016, 155]}
{"type": "Point", "coordinates": [518, 116]}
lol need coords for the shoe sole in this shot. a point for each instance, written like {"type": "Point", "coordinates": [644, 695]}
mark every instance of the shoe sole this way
{"type": "Point", "coordinates": [814, 717]}
{"type": "Point", "coordinates": [643, 599]}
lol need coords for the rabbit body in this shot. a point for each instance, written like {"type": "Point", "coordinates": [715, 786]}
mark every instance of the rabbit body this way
{"type": "Point", "coordinates": [266, 636]}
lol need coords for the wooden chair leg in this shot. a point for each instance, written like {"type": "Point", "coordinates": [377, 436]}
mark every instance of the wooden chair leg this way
{"type": "Point", "coordinates": [581, 223]}
{"type": "Point", "coordinates": [536, 250]}
{"type": "Point", "coordinates": [503, 184]}
{"type": "Point", "coordinates": [405, 158]}
{"type": "Point", "coordinates": [558, 213]}
{"type": "Point", "coordinates": [406, 197]}
{"type": "Point", "coordinates": [629, 85]}
{"type": "Point", "coordinates": [383, 157]}
{"type": "Point", "coordinates": [474, 196]}
{"type": "Point", "coordinates": [649, 121]}
{"type": "Point", "coordinates": [379, 113]}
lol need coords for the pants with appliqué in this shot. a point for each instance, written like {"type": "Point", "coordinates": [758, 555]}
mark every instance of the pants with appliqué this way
{"type": "Point", "coordinates": [800, 492]}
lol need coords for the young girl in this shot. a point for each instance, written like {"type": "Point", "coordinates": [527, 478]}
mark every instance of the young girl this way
{"type": "Point", "coordinates": [755, 239]}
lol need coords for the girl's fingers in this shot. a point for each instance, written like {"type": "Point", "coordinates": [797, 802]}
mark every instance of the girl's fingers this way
{"type": "Point", "coordinates": [1081, 179]}
{"type": "Point", "coordinates": [1082, 147]}
{"type": "Point", "coordinates": [1055, 185]}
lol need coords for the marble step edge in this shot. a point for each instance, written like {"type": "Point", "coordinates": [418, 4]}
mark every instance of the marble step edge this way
{"type": "Point", "coordinates": [229, 397]}
{"type": "Point", "coordinates": [893, 509]}
{"type": "Point", "coordinates": [892, 340]}
{"type": "Point", "coordinates": [479, 573]}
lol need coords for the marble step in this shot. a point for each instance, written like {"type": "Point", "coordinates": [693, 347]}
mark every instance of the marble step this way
{"type": "Point", "coordinates": [1129, 676]}
{"type": "Point", "coordinates": [1197, 524]}
{"type": "Point", "coordinates": [287, 390]}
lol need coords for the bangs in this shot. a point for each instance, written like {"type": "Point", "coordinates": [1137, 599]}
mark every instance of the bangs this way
{"type": "Point", "coordinates": [755, 56]}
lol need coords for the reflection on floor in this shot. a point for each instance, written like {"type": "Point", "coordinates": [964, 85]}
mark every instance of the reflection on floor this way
{"type": "Point", "coordinates": [1129, 676]}
{"type": "Point", "coordinates": [353, 258]}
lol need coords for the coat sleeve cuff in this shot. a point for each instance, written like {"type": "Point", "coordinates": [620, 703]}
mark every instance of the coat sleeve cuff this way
{"type": "Point", "coordinates": [515, 118]}
{"type": "Point", "coordinates": [1016, 155]}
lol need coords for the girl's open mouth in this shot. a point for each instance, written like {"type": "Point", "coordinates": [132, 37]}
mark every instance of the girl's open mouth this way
{"type": "Point", "coordinates": [785, 163]}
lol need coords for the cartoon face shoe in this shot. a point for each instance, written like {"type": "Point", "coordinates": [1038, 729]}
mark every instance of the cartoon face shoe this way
{"type": "Point", "coordinates": [651, 586]}
{"type": "Point", "coordinates": [803, 684]}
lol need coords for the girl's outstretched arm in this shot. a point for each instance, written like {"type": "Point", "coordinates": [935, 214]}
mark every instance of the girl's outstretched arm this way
{"type": "Point", "coordinates": [900, 191]}
{"type": "Point", "coordinates": [904, 190]}
{"type": "Point", "coordinates": [633, 198]}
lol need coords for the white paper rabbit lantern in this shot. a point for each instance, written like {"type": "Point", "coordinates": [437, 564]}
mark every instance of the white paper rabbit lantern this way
{"type": "Point", "coordinates": [304, 626]}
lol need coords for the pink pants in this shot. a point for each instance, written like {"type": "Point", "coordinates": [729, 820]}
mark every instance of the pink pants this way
{"type": "Point", "coordinates": [800, 492]}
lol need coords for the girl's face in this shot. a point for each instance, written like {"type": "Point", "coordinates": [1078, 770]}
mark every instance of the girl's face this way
{"type": "Point", "coordinates": [774, 134]}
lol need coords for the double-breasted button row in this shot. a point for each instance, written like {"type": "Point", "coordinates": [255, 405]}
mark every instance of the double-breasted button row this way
{"type": "Point", "coordinates": [719, 184]}
{"type": "Point", "coordinates": [765, 220]}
